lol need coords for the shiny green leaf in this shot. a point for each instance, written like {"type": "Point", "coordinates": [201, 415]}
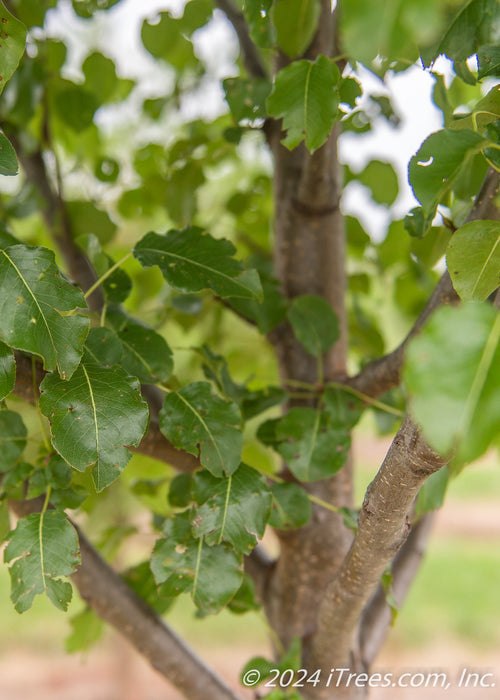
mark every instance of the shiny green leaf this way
{"type": "Point", "coordinates": [33, 300]}
{"type": "Point", "coordinates": [42, 548]}
{"type": "Point", "coordinates": [191, 260]}
{"type": "Point", "coordinates": [195, 420]}
{"type": "Point", "coordinates": [93, 418]}
{"type": "Point", "coordinates": [305, 95]}
{"type": "Point", "coordinates": [473, 259]}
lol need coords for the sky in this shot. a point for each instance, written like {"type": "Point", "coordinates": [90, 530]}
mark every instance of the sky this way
{"type": "Point", "coordinates": [117, 34]}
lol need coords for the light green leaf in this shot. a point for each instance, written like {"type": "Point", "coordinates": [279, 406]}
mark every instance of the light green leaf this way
{"type": "Point", "coordinates": [33, 299]}
{"type": "Point", "coordinates": [195, 420]}
{"type": "Point", "coordinates": [42, 548]}
{"type": "Point", "coordinates": [313, 447]}
{"type": "Point", "coordinates": [296, 22]}
{"type": "Point", "coordinates": [292, 507]}
{"type": "Point", "coordinates": [8, 158]}
{"type": "Point", "coordinates": [452, 373]}
{"type": "Point", "coordinates": [473, 259]}
{"type": "Point", "coordinates": [184, 564]}
{"type": "Point", "coordinates": [438, 163]}
{"type": "Point", "coordinates": [87, 219]}
{"type": "Point", "coordinates": [93, 418]}
{"type": "Point", "coordinates": [258, 15]}
{"type": "Point", "coordinates": [233, 510]}
{"type": "Point", "coordinates": [381, 180]}
{"type": "Point", "coordinates": [88, 8]}
{"type": "Point", "coordinates": [12, 439]}
{"type": "Point", "coordinates": [146, 354]}
{"type": "Point", "coordinates": [314, 323]}
{"type": "Point", "coordinates": [488, 59]}
{"type": "Point", "coordinates": [473, 26]}
{"type": "Point", "coordinates": [86, 629]}
{"type": "Point", "coordinates": [485, 111]}
{"type": "Point", "coordinates": [166, 39]}
{"type": "Point", "coordinates": [305, 95]}
{"type": "Point", "coordinates": [7, 370]}
{"type": "Point", "coordinates": [12, 44]}
{"type": "Point", "coordinates": [191, 260]}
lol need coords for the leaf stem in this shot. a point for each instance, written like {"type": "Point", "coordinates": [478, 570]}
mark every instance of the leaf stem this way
{"type": "Point", "coordinates": [367, 399]}
{"type": "Point", "coordinates": [313, 499]}
{"type": "Point", "coordinates": [109, 272]}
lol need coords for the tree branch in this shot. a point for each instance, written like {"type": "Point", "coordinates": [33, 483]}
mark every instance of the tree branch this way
{"type": "Point", "coordinates": [250, 53]}
{"type": "Point", "coordinates": [383, 527]}
{"type": "Point", "coordinates": [384, 373]}
{"type": "Point", "coordinates": [118, 605]}
{"type": "Point", "coordinates": [376, 619]}
{"type": "Point", "coordinates": [154, 444]}
{"type": "Point", "coordinates": [259, 566]}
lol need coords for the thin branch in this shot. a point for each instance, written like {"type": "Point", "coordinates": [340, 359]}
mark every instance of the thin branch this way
{"type": "Point", "coordinates": [376, 620]}
{"type": "Point", "coordinates": [252, 59]}
{"type": "Point", "coordinates": [383, 527]}
{"type": "Point", "coordinates": [384, 373]}
{"type": "Point", "coordinates": [118, 605]}
{"type": "Point", "coordinates": [154, 443]}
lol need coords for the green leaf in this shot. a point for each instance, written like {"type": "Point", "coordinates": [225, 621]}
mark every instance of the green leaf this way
{"type": "Point", "coordinates": [146, 354]}
{"type": "Point", "coordinates": [233, 510]}
{"type": "Point", "coordinates": [101, 80]}
{"type": "Point", "coordinates": [4, 520]}
{"type": "Point", "coordinates": [179, 492]}
{"type": "Point", "coordinates": [93, 418]}
{"type": "Point", "coordinates": [118, 285]}
{"type": "Point", "coordinates": [191, 260]}
{"type": "Point", "coordinates": [183, 564]}
{"type": "Point", "coordinates": [313, 447]}
{"type": "Point", "coordinates": [195, 420]}
{"type": "Point", "coordinates": [102, 347]}
{"type": "Point", "coordinates": [485, 111]}
{"type": "Point", "coordinates": [86, 629]}
{"type": "Point", "coordinates": [305, 95]}
{"type": "Point", "coordinates": [381, 180]}
{"type": "Point", "coordinates": [268, 313]}
{"type": "Point", "coordinates": [314, 323]}
{"type": "Point", "coordinates": [141, 581]}
{"type": "Point", "coordinates": [8, 158]}
{"type": "Point", "coordinates": [488, 59]}
{"type": "Point", "coordinates": [245, 598]}
{"type": "Point", "coordinates": [291, 506]}
{"type": "Point", "coordinates": [432, 493]}
{"type": "Point", "coordinates": [473, 26]}
{"type": "Point", "coordinates": [247, 98]}
{"type": "Point", "coordinates": [473, 259]}
{"type": "Point", "coordinates": [42, 548]}
{"type": "Point", "coordinates": [33, 299]}
{"type": "Point", "coordinates": [437, 165]}
{"type": "Point", "coordinates": [258, 15]}
{"type": "Point", "coordinates": [296, 22]}
{"type": "Point", "coordinates": [12, 44]}
{"type": "Point", "coordinates": [453, 375]}
{"type": "Point", "coordinates": [75, 106]}
{"type": "Point", "coordinates": [7, 370]}
{"type": "Point", "coordinates": [12, 439]}
{"type": "Point", "coordinates": [166, 40]}
{"type": "Point", "coordinates": [86, 218]}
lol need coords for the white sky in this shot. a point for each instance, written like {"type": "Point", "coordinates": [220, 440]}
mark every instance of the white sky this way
{"type": "Point", "coordinates": [117, 34]}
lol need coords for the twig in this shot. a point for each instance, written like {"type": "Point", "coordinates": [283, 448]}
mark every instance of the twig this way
{"type": "Point", "coordinates": [250, 53]}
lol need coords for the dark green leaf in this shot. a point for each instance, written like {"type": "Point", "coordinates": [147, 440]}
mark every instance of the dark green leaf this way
{"type": "Point", "coordinates": [7, 370]}
{"type": "Point", "coordinates": [42, 548]}
{"type": "Point", "coordinates": [183, 564]}
{"type": "Point", "coordinates": [349, 91]}
{"type": "Point", "coordinates": [107, 170]}
{"type": "Point", "coordinates": [13, 41]}
{"type": "Point", "coordinates": [93, 418]}
{"type": "Point", "coordinates": [195, 420]}
{"type": "Point", "coordinates": [141, 580]}
{"type": "Point", "coordinates": [305, 95]}
{"type": "Point", "coordinates": [473, 259]}
{"type": "Point", "coordinates": [75, 107]}
{"type": "Point", "coordinates": [245, 598]}
{"type": "Point", "coordinates": [292, 507]}
{"type": "Point", "coordinates": [453, 375]}
{"type": "Point", "coordinates": [4, 520]}
{"type": "Point", "coordinates": [268, 313]}
{"type": "Point", "coordinates": [102, 347]}
{"type": "Point", "coordinates": [146, 354]}
{"type": "Point", "coordinates": [344, 409]}
{"type": "Point", "coordinates": [118, 285]}
{"type": "Point", "coordinates": [314, 323]}
{"type": "Point", "coordinates": [179, 493]}
{"type": "Point", "coordinates": [296, 22]}
{"type": "Point", "coordinates": [313, 447]}
{"type": "Point", "coordinates": [8, 158]}
{"type": "Point", "coordinates": [12, 439]}
{"type": "Point", "coordinates": [86, 629]}
{"type": "Point", "coordinates": [247, 98]}
{"type": "Point", "coordinates": [233, 510]}
{"type": "Point", "coordinates": [88, 8]}
{"type": "Point", "coordinates": [17, 476]}
{"type": "Point", "coordinates": [488, 58]}
{"type": "Point", "coordinates": [191, 260]}
{"type": "Point", "coordinates": [33, 299]}
{"type": "Point", "coordinates": [86, 218]}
